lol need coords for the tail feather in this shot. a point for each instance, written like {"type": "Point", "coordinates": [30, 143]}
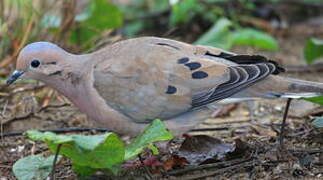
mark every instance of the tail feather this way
{"type": "Point", "coordinates": [277, 86]}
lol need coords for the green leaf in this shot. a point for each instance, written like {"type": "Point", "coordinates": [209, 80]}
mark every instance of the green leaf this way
{"type": "Point", "coordinates": [157, 6]}
{"type": "Point", "coordinates": [133, 28]}
{"type": "Point", "coordinates": [153, 148]}
{"type": "Point", "coordinates": [154, 132]}
{"type": "Point", "coordinates": [47, 136]}
{"type": "Point", "coordinates": [104, 15]}
{"type": "Point", "coordinates": [100, 15]}
{"type": "Point", "coordinates": [101, 152]}
{"type": "Point", "coordinates": [317, 100]}
{"type": "Point", "coordinates": [318, 122]}
{"type": "Point", "coordinates": [255, 38]}
{"type": "Point", "coordinates": [313, 50]}
{"type": "Point", "coordinates": [182, 11]}
{"type": "Point", "coordinates": [104, 151]}
{"type": "Point", "coordinates": [33, 167]}
{"type": "Point", "coordinates": [218, 35]}
{"type": "Point", "coordinates": [83, 171]}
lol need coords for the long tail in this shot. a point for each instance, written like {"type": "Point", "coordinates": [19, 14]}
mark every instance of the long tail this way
{"type": "Point", "coordinates": [277, 86]}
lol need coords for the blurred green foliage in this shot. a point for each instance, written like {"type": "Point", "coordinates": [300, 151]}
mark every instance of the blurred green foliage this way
{"type": "Point", "coordinates": [220, 35]}
{"type": "Point", "coordinates": [81, 28]}
{"type": "Point", "coordinates": [255, 38]}
{"type": "Point", "coordinates": [99, 16]}
{"type": "Point", "coordinates": [224, 33]}
{"type": "Point", "coordinates": [313, 50]}
{"type": "Point", "coordinates": [317, 100]}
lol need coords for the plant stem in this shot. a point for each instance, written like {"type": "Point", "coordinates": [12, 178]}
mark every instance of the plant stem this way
{"type": "Point", "coordinates": [282, 128]}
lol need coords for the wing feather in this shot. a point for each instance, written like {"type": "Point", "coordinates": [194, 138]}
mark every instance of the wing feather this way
{"type": "Point", "coordinates": [241, 77]}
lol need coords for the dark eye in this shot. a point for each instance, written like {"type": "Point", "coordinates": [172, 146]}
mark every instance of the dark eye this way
{"type": "Point", "coordinates": [35, 63]}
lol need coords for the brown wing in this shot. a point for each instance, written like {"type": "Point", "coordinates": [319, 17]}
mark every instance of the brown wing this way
{"type": "Point", "coordinates": [150, 78]}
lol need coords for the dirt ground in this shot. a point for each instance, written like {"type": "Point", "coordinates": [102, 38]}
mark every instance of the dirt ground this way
{"type": "Point", "coordinates": [34, 106]}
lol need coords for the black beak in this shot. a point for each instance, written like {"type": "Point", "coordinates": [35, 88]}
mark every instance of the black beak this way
{"type": "Point", "coordinates": [15, 75]}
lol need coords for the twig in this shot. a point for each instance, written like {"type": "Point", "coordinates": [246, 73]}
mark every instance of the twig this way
{"type": "Point", "coordinates": [310, 151]}
{"type": "Point", "coordinates": [22, 43]}
{"type": "Point", "coordinates": [52, 177]}
{"type": "Point", "coordinates": [231, 121]}
{"type": "Point", "coordinates": [68, 13]}
{"type": "Point", "coordinates": [61, 130]}
{"type": "Point", "coordinates": [211, 129]}
{"type": "Point", "coordinates": [222, 170]}
{"type": "Point", "coordinates": [150, 176]}
{"type": "Point", "coordinates": [205, 166]}
{"type": "Point", "coordinates": [226, 169]}
{"type": "Point", "coordinates": [304, 68]}
{"type": "Point", "coordinates": [225, 128]}
{"type": "Point", "coordinates": [282, 128]}
{"type": "Point", "coordinates": [2, 10]}
{"type": "Point", "coordinates": [16, 118]}
{"type": "Point", "coordinates": [30, 114]}
{"type": "Point", "coordinates": [2, 115]}
{"type": "Point", "coordinates": [33, 88]}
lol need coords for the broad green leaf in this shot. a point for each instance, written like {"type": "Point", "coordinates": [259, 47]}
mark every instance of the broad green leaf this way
{"type": "Point", "coordinates": [100, 15]}
{"type": "Point", "coordinates": [104, 15]}
{"type": "Point", "coordinates": [182, 11]}
{"type": "Point", "coordinates": [154, 132]}
{"type": "Point", "coordinates": [313, 50]}
{"type": "Point", "coordinates": [83, 171]}
{"type": "Point", "coordinates": [159, 5]}
{"type": "Point", "coordinates": [104, 151]}
{"type": "Point", "coordinates": [133, 28]}
{"type": "Point", "coordinates": [101, 152]}
{"type": "Point", "coordinates": [318, 122]}
{"type": "Point", "coordinates": [317, 100]}
{"type": "Point", "coordinates": [33, 167]}
{"type": "Point", "coordinates": [47, 137]}
{"type": "Point", "coordinates": [218, 35]}
{"type": "Point", "coordinates": [255, 38]}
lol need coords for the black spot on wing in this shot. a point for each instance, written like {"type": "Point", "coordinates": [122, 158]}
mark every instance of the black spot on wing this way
{"type": "Point", "coordinates": [193, 65]}
{"type": "Point", "coordinates": [183, 60]}
{"type": "Point", "coordinates": [171, 90]}
{"type": "Point", "coordinates": [199, 75]}
{"type": "Point", "coordinates": [168, 45]}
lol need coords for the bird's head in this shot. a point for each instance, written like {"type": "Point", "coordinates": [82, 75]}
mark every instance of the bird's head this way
{"type": "Point", "coordinates": [39, 61]}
